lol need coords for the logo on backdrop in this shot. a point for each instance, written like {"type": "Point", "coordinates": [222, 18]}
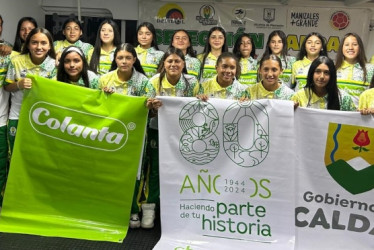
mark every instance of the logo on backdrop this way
{"type": "Point", "coordinates": [200, 145]}
{"type": "Point", "coordinates": [304, 19]}
{"type": "Point", "coordinates": [269, 15]}
{"type": "Point", "coordinates": [170, 13]}
{"type": "Point", "coordinates": [239, 13]}
{"type": "Point", "coordinates": [206, 15]}
{"type": "Point", "coordinates": [349, 157]}
{"type": "Point", "coordinates": [79, 128]}
{"type": "Point", "coordinates": [339, 20]}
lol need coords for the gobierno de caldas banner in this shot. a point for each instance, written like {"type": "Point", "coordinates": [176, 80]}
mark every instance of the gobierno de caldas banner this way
{"type": "Point", "coordinates": [74, 163]}
{"type": "Point", "coordinates": [258, 20]}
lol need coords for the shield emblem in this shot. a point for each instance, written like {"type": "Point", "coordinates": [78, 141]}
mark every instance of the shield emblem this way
{"type": "Point", "coordinates": [269, 15]}
{"type": "Point", "coordinates": [349, 157]}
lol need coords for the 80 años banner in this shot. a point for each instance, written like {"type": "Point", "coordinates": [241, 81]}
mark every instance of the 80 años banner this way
{"type": "Point", "coordinates": [74, 164]}
{"type": "Point", "coordinates": [259, 21]}
{"type": "Point", "coordinates": [227, 174]}
{"type": "Point", "coordinates": [231, 174]}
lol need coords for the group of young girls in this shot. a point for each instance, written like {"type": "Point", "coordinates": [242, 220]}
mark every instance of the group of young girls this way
{"type": "Point", "coordinates": [313, 80]}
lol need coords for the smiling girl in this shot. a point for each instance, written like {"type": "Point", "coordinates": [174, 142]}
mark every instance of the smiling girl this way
{"type": "Point", "coordinates": [321, 90]}
{"type": "Point", "coordinates": [225, 84]}
{"type": "Point", "coordinates": [126, 75]}
{"type": "Point", "coordinates": [270, 87]}
{"type": "Point", "coordinates": [147, 50]}
{"type": "Point", "coordinates": [312, 47]}
{"type": "Point", "coordinates": [182, 40]}
{"type": "Point", "coordinates": [72, 30]}
{"type": "Point", "coordinates": [73, 69]}
{"type": "Point", "coordinates": [37, 57]}
{"type": "Point", "coordinates": [277, 45]}
{"type": "Point", "coordinates": [107, 40]}
{"type": "Point", "coordinates": [215, 45]}
{"type": "Point", "coordinates": [353, 73]}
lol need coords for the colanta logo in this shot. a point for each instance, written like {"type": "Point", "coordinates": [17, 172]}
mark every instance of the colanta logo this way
{"type": "Point", "coordinates": [77, 127]}
{"type": "Point", "coordinates": [349, 157]}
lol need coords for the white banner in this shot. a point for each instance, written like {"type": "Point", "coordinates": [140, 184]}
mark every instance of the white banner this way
{"type": "Point", "coordinates": [335, 180]}
{"type": "Point", "coordinates": [242, 175]}
{"type": "Point", "coordinates": [259, 21]}
{"type": "Point", "coordinates": [226, 174]}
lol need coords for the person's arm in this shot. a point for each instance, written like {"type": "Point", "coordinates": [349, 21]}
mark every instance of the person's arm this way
{"type": "Point", "coordinates": [24, 83]}
{"type": "Point", "coordinates": [5, 49]}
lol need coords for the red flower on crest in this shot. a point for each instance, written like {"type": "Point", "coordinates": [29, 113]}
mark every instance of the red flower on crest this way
{"type": "Point", "coordinates": [361, 139]}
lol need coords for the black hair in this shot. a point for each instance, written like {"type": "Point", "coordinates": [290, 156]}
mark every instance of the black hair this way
{"type": "Point", "coordinates": [208, 47]}
{"type": "Point", "coordinates": [268, 57]}
{"type": "Point", "coordinates": [361, 58]}
{"type": "Point", "coordinates": [95, 59]}
{"type": "Point", "coordinates": [302, 53]}
{"type": "Point", "coordinates": [152, 29]}
{"type": "Point", "coordinates": [233, 56]}
{"type": "Point", "coordinates": [129, 48]}
{"type": "Point", "coordinates": [333, 94]}
{"type": "Point", "coordinates": [62, 76]}
{"type": "Point", "coordinates": [18, 40]}
{"type": "Point", "coordinates": [283, 37]}
{"type": "Point", "coordinates": [51, 52]}
{"type": "Point", "coordinates": [190, 51]}
{"type": "Point", "coordinates": [161, 67]}
{"type": "Point", "coordinates": [238, 42]}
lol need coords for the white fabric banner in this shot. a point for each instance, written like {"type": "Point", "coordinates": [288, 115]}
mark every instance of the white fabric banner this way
{"type": "Point", "coordinates": [242, 175]}
{"type": "Point", "coordinates": [335, 180]}
{"type": "Point", "coordinates": [259, 21]}
{"type": "Point", "coordinates": [226, 174]}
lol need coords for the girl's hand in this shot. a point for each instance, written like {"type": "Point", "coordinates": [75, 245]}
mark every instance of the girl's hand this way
{"type": "Point", "coordinates": [367, 111]}
{"type": "Point", "coordinates": [24, 83]}
{"type": "Point", "coordinates": [295, 105]}
{"type": "Point", "coordinates": [5, 50]}
{"type": "Point", "coordinates": [153, 103]}
{"type": "Point", "coordinates": [108, 90]}
{"type": "Point", "coordinates": [202, 97]}
{"type": "Point", "coordinates": [243, 99]}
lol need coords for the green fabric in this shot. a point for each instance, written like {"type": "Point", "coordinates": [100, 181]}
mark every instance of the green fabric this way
{"type": "Point", "coordinates": [3, 160]}
{"type": "Point", "coordinates": [152, 182]}
{"type": "Point", "coordinates": [63, 185]}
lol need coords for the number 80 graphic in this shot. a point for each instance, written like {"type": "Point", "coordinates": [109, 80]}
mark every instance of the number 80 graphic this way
{"type": "Point", "coordinates": [245, 133]}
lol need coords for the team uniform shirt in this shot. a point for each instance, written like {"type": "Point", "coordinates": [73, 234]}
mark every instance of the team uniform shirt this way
{"type": "Point", "coordinates": [366, 99]}
{"type": "Point", "coordinates": [259, 92]}
{"type": "Point", "coordinates": [4, 95]}
{"type": "Point", "coordinates": [149, 59]}
{"type": "Point", "coordinates": [286, 75]}
{"type": "Point", "coordinates": [300, 70]}
{"type": "Point", "coordinates": [192, 65]}
{"type": "Point", "coordinates": [372, 60]}
{"type": "Point", "coordinates": [351, 80]}
{"type": "Point", "coordinates": [249, 71]}
{"type": "Point", "coordinates": [309, 99]}
{"type": "Point", "coordinates": [209, 66]}
{"type": "Point", "coordinates": [138, 85]}
{"type": "Point", "coordinates": [177, 90]}
{"type": "Point", "coordinates": [233, 92]}
{"type": "Point", "coordinates": [19, 66]}
{"type": "Point", "coordinates": [93, 80]}
{"type": "Point", "coordinates": [105, 60]}
{"type": "Point", "coordinates": [61, 45]}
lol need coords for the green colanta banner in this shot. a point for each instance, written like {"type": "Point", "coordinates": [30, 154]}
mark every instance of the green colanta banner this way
{"type": "Point", "coordinates": [75, 162]}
